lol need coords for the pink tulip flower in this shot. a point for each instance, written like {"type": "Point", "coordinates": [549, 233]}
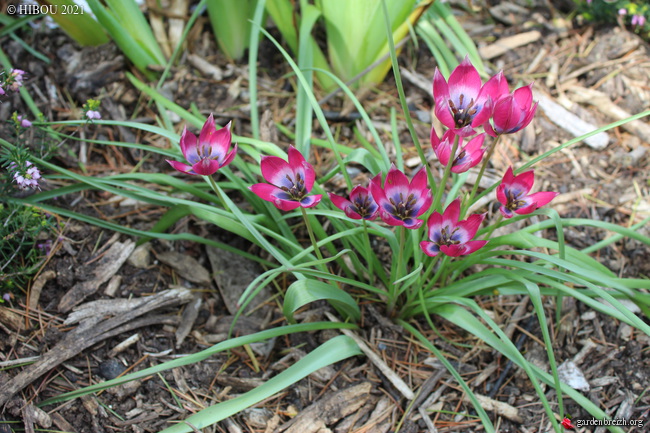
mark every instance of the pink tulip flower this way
{"type": "Point", "coordinates": [512, 112]}
{"type": "Point", "coordinates": [207, 154]}
{"type": "Point", "coordinates": [401, 202]}
{"type": "Point", "coordinates": [464, 103]}
{"type": "Point", "coordinates": [466, 156]}
{"type": "Point", "coordinates": [360, 206]}
{"type": "Point", "coordinates": [514, 197]}
{"type": "Point", "coordinates": [289, 182]}
{"type": "Point", "coordinates": [452, 237]}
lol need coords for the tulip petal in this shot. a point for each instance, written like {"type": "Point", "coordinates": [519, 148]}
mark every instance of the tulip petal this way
{"type": "Point", "coordinates": [183, 168]}
{"type": "Point", "coordinates": [206, 167]}
{"type": "Point", "coordinates": [311, 200]}
{"type": "Point", "coordinates": [188, 146]}
{"type": "Point", "coordinates": [430, 248]}
{"type": "Point", "coordinates": [277, 171]}
{"type": "Point", "coordinates": [542, 198]}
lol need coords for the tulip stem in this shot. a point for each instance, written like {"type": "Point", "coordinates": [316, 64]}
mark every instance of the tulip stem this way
{"type": "Point", "coordinates": [311, 234]}
{"type": "Point", "coordinates": [398, 271]}
{"type": "Point", "coordinates": [445, 176]}
{"type": "Point", "coordinates": [480, 175]}
{"type": "Point", "coordinates": [369, 251]}
{"type": "Point", "coordinates": [436, 276]}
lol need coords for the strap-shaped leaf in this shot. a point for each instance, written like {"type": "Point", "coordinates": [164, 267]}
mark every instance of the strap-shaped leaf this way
{"type": "Point", "coordinates": [303, 292]}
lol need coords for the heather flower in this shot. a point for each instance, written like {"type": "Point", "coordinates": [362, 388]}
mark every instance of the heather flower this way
{"type": "Point", "coordinates": [208, 153]}
{"type": "Point", "coordinates": [23, 122]}
{"type": "Point", "coordinates": [46, 246]}
{"type": "Point", "coordinates": [360, 206]}
{"type": "Point", "coordinates": [289, 183]}
{"type": "Point", "coordinates": [466, 157]}
{"type": "Point", "coordinates": [91, 109]}
{"type": "Point", "coordinates": [512, 112]}
{"type": "Point", "coordinates": [463, 103]}
{"type": "Point", "coordinates": [401, 202]}
{"type": "Point", "coordinates": [93, 115]}
{"type": "Point", "coordinates": [638, 20]}
{"type": "Point", "coordinates": [452, 237]}
{"type": "Point", "coordinates": [15, 79]}
{"type": "Point", "coordinates": [513, 191]}
{"type": "Point", "coordinates": [27, 179]}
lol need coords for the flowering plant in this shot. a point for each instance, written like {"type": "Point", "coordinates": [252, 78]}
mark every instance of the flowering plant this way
{"type": "Point", "coordinates": [435, 271]}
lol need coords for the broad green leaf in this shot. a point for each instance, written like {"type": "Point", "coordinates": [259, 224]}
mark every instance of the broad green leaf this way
{"type": "Point", "coordinates": [306, 291]}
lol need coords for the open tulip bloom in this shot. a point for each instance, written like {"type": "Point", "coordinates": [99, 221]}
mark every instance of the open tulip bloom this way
{"type": "Point", "coordinates": [463, 103]}
{"type": "Point", "coordinates": [450, 236]}
{"type": "Point", "coordinates": [466, 157]}
{"type": "Point", "coordinates": [401, 202]}
{"type": "Point", "coordinates": [513, 194]}
{"type": "Point", "coordinates": [512, 112]}
{"type": "Point", "coordinates": [360, 206]}
{"type": "Point", "coordinates": [208, 153]}
{"type": "Point", "coordinates": [289, 182]}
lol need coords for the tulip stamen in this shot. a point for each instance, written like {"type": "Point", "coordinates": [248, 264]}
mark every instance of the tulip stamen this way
{"type": "Point", "coordinates": [403, 208]}
{"type": "Point", "coordinates": [463, 115]}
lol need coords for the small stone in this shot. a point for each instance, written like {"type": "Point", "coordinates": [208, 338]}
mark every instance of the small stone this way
{"type": "Point", "coordinates": [110, 369]}
{"type": "Point", "coordinates": [140, 257]}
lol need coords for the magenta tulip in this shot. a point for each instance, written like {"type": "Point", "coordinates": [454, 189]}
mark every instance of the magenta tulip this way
{"type": "Point", "coordinates": [208, 153]}
{"type": "Point", "coordinates": [514, 197]}
{"type": "Point", "coordinates": [452, 237]}
{"type": "Point", "coordinates": [360, 206]}
{"type": "Point", "coordinates": [289, 182]}
{"type": "Point", "coordinates": [464, 103]}
{"type": "Point", "coordinates": [401, 202]}
{"type": "Point", "coordinates": [512, 112]}
{"type": "Point", "coordinates": [466, 157]}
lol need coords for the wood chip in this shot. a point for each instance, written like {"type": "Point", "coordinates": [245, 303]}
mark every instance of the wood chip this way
{"type": "Point", "coordinates": [397, 381]}
{"type": "Point", "coordinates": [37, 288]}
{"type": "Point", "coordinates": [329, 410]}
{"type": "Point", "coordinates": [206, 68]}
{"type": "Point", "coordinates": [602, 103]}
{"type": "Point", "coordinates": [186, 266]}
{"type": "Point", "coordinates": [91, 332]}
{"type": "Point", "coordinates": [570, 122]}
{"type": "Point", "coordinates": [233, 274]}
{"type": "Point", "coordinates": [100, 272]}
{"type": "Point", "coordinates": [506, 44]}
{"type": "Point", "coordinates": [11, 319]}
{"type": "Point", "coordinates": [501, 408]}
{"type": "Point", "coordinates": [188, 318]}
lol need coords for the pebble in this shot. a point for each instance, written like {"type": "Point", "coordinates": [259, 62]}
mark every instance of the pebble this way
{"type": "Point", "coordinates": [110, 369]}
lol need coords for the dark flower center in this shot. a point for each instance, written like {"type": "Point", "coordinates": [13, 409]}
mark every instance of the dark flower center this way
{"type": "Point", "coordinates": [463, 115]}
{"type": "Point", "coordinates": [297, 192]}
{"type": "Point", "coordinates": [403, 208]}
{"type": "Point", "coordinates": [513, 200]}
{"type": "Point", "coordinates": [446, 237]}
{"type": "Point", "coordinates": [362, 205]}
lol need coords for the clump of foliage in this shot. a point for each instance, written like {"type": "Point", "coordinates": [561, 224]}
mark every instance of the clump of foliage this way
{"type": "Point", "coordinates": [634, 13]}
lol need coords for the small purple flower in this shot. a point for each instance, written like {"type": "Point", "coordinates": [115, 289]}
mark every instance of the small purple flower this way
{"type": "Point", "coordinates": [400, 201]}
{"type": "Point", "coordinates": [24, 122]}
{"type": "Point", "coordinates": [289, 183]}
{"type": "Point", "coordinates": [638, 20]}
{"type": "Point", "coordinates": [2, 91]}
{"type": "Point", "coordinates": [452, 237]}
{"type": "Point", "coordinates": [28, 179]}
{"type": "Point", "coordinates": [466, 157]}
{"type": "Point", "coordinates": [513, 191]}
{"type": "Point", "coordinates": [513, 112]}
{"type": "Point", "coordinates": [622, 11]}
{"type": "Point", "coordinates": [93, 115]}
{"type": "Point", "coordinates": [15, 79]}
{"type": "Point", "coordinates": [360, 206]}
{"type": "Point", "coordinates": [46, 247]}
{"type": "Point", "coordinates": [6, 297]}
{"type": "Point", "coordinates": [207, 154]}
